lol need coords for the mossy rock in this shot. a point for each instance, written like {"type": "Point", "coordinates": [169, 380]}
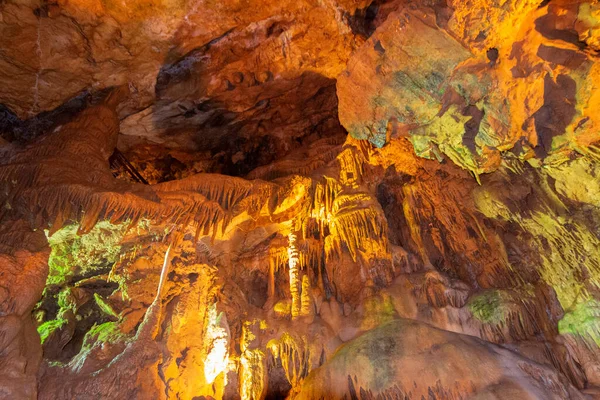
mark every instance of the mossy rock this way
{"type": "Point", "coordinates": [490, 307]}
{"type": "Point", "coordinates": [73, 254]}
{"type": "Point", "coordinates": [583, 321]}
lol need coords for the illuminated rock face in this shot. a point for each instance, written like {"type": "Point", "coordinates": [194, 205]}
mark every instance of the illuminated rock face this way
{"type": "Point", "coordinates": [414, 360]}
{"type": "Point", "coordinates": [299, 199]}
{"type": "Point", "coordinates": [477, 83]}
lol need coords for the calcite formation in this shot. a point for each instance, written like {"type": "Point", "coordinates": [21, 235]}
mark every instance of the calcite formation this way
{"type": "Point", "coordinates": [310, 199]}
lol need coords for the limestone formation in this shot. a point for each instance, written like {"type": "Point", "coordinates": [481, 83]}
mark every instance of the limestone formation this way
{"type": "Point", "coordinates": [311, 199]}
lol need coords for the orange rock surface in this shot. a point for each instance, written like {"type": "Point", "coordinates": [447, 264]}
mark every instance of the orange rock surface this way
{"type": "Point", "coordinates": [299, 199]}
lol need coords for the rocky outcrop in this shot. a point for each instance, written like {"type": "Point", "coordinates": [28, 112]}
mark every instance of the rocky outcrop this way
{"type": "Point", "coordinates": [109, 43]}
{"type": "Point", "coordinates": [492, 82]}
{"type": "Point", "coordinates": [207, 81]}
{"type": "Point", "coordinates": [411, 360]}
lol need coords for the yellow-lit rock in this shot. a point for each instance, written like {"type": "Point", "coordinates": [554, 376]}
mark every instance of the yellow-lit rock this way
{"type": "Point", "coordinates": [299, 199]}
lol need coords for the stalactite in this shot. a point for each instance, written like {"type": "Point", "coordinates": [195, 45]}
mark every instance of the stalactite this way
{"type": "Point", "coordinates": [348, 216]}
{"type": "Point", "coordinates": [299, 255]}
{"type": "Point", "coordinates": [226, 191]}
{"type": "Point", "coordinates": [278, 258]}
{"type": "Point", "coordinates": [325, 194]}
{"type": "Point", "coordinates": [333, 247]}
{"type": "Point", "coordinates": [311, 227]}
{"type": "Point", "coordinates": [351, 167]}
{"type": "Point", "coordinates": [306, 301]}
{"type": "Point", "coordinates": [150, 325]}
{"type": "Point", "coordinates": [294, 271]}
{"type": "Point", "coordinates": [572, 250]}
{"type": "Point", "coordinates": [295, 357]}
{"type": "Point", "coordinates": [349, 200]}
{"type": "Point", "coordinates": [89, 203]}
{"type": "Point", "coordinates": [310, 253]}
{"type": "Point", "coordinates": [66, 176]}
{"type": "Point", "coordinates": [511, 315]}
{"type": "Point", "coordinates": [119, 163]}
{"type": "Point", "coordinates": [271, 283]}
{"type": "Point", "coordinates": [353, 226]}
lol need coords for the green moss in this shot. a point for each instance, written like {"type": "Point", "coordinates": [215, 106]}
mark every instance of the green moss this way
{"type": "Point", "coordinates": [121, 280]}
{"type": "Point", "coordinates": [59, 265]}
{"type": "Point", "coordinates": [48, 327]}
{"type": "Point", "coordinates": [472, 87]}
{"type": "Point", "coordinates": [489, 307]}
{"type": "Point", "coordinates": [108, 332]}
{"type": "Point", "coordinates": [143, 225]}
{"type": "Point", "coordinates": [104, 306]}
{"type": "Point", "coordinates": [73, 254]}
{"type": "Point", "coordinates": [583, 320]}
{"type": "Point", "coordinates": [66, 301]}
{"type": "Point", "coordinates": [375, 134]}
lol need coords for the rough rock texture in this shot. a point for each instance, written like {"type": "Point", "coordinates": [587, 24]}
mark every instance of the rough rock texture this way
{"type": "Point", "coordinates": [407, 359]}
{"type": "Point", "coordinates": [23, 256]}
{"type": "Point", "coordinates": [501, 80]}
{"type": "Point", "coordinates": [299, 199]}
{"type": "Point", "coordinates": [203, 77]}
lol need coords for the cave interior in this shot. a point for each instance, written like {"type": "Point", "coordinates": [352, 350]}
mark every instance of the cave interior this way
{"type": "Point", "coordinates": [299, 199]}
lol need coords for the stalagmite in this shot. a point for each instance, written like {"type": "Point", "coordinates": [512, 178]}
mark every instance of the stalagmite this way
{"type": "Point", "coordinates": [217, 341]}
{"type": "Point", "coordinates": [252, 365]}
